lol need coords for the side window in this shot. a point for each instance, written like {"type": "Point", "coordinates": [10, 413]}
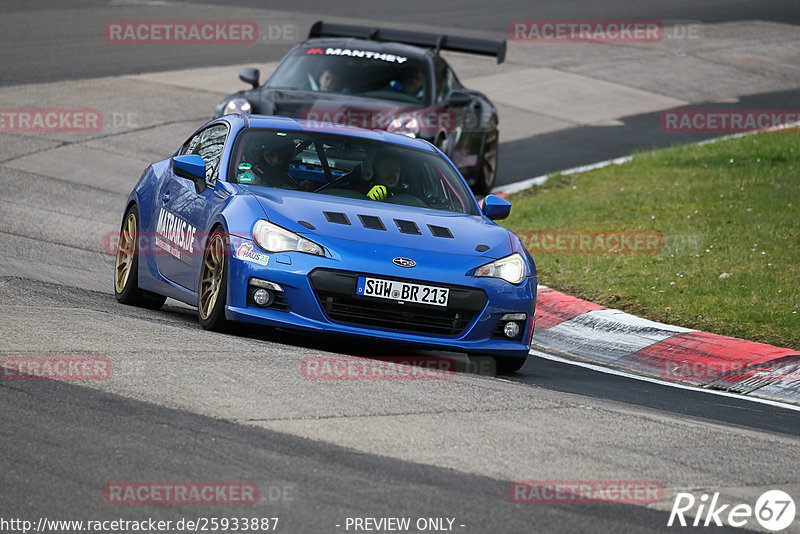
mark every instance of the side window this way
{"type": "Point", "coordinates": [208, 144]}
{"type": "Point", "coordinates": [454, 83]}
{"type": "Point", "coordinates": [442, 85]}
{"type": "Point", "coordinates": [446, 80]}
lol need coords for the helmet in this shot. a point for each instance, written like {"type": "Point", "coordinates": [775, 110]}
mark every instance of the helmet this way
{"type": "Point", "coordinates": [273, 154]}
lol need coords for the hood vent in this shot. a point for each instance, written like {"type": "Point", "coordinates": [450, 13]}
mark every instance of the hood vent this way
{"type": "Point", "coordinates": [407, 227]}
{"type": "Point", "coordinates": [440, 231]}
{"type": "Point", "coordinates": [336, 217]}
{"type": "Point", "coordinates": [482, 248]}
{"type": "Point", "coordinates": [372, 222]}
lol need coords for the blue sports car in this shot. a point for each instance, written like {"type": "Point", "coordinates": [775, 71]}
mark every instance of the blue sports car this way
{"type": "Point", "coordinates": [327, 228]}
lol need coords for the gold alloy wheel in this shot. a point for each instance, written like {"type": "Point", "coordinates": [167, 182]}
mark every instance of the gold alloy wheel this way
{"type": "Point", "coordinates": [211, 275]}
{"type": "Point", "coordinates": [125, 253]}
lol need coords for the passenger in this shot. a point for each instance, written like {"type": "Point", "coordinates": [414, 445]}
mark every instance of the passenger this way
{"type": "Point", "coordinates": [412, 83]}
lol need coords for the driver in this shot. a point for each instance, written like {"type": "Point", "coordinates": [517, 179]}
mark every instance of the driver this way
{"type": "Point", "coordinates": [387, 174]}
{"type": "Point", "coordinates": [328, 81]}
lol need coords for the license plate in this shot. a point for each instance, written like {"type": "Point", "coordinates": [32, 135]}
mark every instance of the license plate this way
{"type": "Point", "coordinates": [402, 291]}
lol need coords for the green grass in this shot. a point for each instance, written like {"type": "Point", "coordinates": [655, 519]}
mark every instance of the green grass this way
{"type": "Point", "coordinates": [728, 207]}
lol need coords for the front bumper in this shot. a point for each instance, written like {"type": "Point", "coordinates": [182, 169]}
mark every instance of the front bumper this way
{"type": "Point", "coordinates": [318, 294]}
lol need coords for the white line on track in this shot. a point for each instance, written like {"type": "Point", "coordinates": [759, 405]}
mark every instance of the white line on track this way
{"type": "Point", "coordinates": [539, 180]}
{"type": "Point", "coordinates": [641, 378]}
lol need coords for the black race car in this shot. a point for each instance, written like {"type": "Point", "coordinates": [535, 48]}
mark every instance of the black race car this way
{"type": "Point", "coordinates": [383, 79]}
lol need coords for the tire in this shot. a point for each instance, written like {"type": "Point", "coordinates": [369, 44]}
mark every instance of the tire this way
{"type": "Point", "coordinates": [507, 364]}
{"type": "Point", "coordinates": [126, 266]}
{"type": "Point", "coordinates": [212, 288]}
{"type": "Point", "coordinates": [487, 174]}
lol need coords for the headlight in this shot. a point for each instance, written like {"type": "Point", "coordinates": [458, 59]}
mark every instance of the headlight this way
{"type": "Point", "coordinates": [404, 124]}
{"type": "Point", "coordinates": [511, 269]}
{"type": "Point", "coordinates": [273, 238]}
{"type": "Point", "coordinates": [238, 105]}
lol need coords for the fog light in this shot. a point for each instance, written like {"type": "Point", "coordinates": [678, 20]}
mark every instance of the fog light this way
{"type": "Point", "coordinates": [262, 297]}
{"type": "Point", "coordinates": [511, 330]}
{"type": "Point", "coordinates": [266, 284]}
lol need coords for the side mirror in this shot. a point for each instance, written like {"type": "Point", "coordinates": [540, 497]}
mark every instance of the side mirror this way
{"type": "Point", "coordinates": [459, 99]}
{"type": "Point", "coordinates": [250, 76]}
{"type": "Point", "coordinates": [191, 167]}
{"type": "Point", "coordinates": [496, 208]}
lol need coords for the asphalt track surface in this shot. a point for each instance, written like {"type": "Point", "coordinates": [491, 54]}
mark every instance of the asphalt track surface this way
{"type": "Point", "coordinates": [186, 404]}
{"type": "Point", "coordinates": [50, 44]}
{"type": "Point", "coordinates": [60, 442]}
{"type": "Point", "coordinates": [65, 48]}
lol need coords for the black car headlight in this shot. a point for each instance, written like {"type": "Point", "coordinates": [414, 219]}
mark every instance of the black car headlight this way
{"type": "Point", "coordinates": [273, 238]}
{"type": "Point", "coordinates": [512, 269]}
{"type": "Point", "coordinates": [404, 124]}
{"type": "Point", "coordinates": [237, 105]}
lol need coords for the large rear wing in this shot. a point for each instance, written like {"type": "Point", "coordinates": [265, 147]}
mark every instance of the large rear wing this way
{"type": "Point", "coordinates": [483, 47]}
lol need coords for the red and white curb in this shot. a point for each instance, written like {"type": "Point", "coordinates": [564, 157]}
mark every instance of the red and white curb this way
{"type": "Point", "coordinates": [590, 332]}
{"type": "Point", "coordinates": [614, 339]}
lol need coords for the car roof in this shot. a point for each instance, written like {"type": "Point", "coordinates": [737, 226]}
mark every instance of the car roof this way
{"type": "Point", "coordinates": [410, 51]}
{"type": "Point", "coordinates": [271, 121]}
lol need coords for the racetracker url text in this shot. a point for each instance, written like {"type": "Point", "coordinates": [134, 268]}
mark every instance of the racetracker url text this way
{"type": "Point", "coordinates": [252, 525]}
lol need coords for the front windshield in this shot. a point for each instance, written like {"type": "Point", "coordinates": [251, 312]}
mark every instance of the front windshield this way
{"type": "Point", "coordinates": [354, 72]}
{"type": "Point", "coordinates": [338, 165]}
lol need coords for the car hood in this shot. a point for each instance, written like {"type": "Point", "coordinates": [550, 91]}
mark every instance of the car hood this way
{"type": "Point", "coordinates": [352, 110]}
{"type": "Point", "coordinates": [351, 222]}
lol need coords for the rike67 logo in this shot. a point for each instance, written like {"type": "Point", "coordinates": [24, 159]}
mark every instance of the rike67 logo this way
{"type": "Point", "coordinates": [774, 511]}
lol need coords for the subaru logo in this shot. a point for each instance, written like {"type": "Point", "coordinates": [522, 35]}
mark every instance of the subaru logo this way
{"type": "Point", "coordinates": [404, 262]}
